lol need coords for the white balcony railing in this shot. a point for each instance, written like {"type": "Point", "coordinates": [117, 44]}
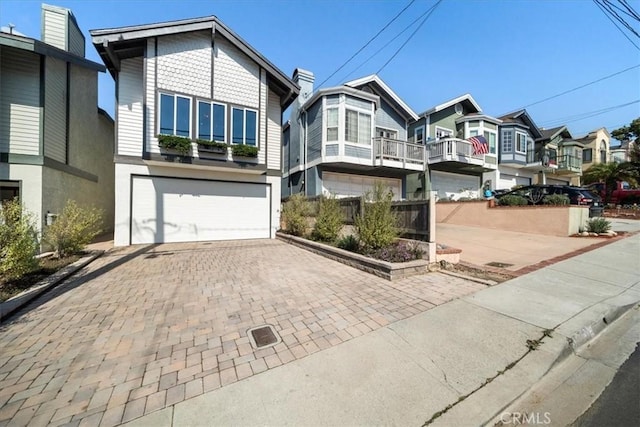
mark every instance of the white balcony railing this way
{"type": "Point", "coordinates": [451, 149]}
{"type": "Point", "coordinates": [399, 151]}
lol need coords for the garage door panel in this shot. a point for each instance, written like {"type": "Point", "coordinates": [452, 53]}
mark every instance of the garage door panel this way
{"type": "Point", "coordinates": [450, 185]}
{"type": "Point", "coordinates": [180, 210]}
{"type": "Point", "coordinates": [349, 185]}
{"type": "Point", "coordinates": [510, 181]}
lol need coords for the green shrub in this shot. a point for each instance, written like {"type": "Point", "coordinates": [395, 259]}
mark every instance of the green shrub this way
{"type": "Point", "coordinates": [349, 243]}
{"type": "Point", "coordinates": [328, 220]}
{"type": "Point", "coordinates": [244, 150]}
{"type": "Point", "coordinates": [377, 225]}
{"type": "Point", "coordinates": [398, 252]}
{"type": "Point", "coordinates": [598, 225]}
{"type": "Point", "coordinates": [512, 200]}
{"type": "Point", "coordinates": [294, 213]}
{"type": "Point", "coordinates": [556, 200]}
{"type": "Point", "coordinates": [212, 144]}
{"type": "Point", "coordinates": [172, 142]}
{"type": "Point", "coordinates": [74, 228]}
{"type": "Point", "coordinates": [18, 240]}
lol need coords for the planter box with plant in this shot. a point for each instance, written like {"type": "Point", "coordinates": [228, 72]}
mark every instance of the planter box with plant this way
{"type": "Point", "coordinates": [240, 150]}
{"type": "Point", "coordinates": [207, 146]}
{"type": "Point", "coordinates": [178, 144]}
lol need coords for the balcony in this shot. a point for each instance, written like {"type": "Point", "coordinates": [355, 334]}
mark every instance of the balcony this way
{"type": "Point", "coordinates": [398, 154]}
{"type": "Point", "coordinates": [458, 152]}
{"type": "Point", "coordinates": [569, 165]}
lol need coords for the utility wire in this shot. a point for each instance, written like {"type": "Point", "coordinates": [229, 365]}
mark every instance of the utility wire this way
{"type": "Point", "coordinates": [630, 9]}
{"type": "Point", "coordinates": [614, 23]}
{"type": "Point", "coordinates": [619, 18]}
{"type": "Point", "coordinates": [367, 43]}
{"type": "Point", "coordinates": [586, 115]}
{"type": "Point", "coordinates": [626, 12]}
{"type": "Point", "coordinates": [580, 87]}
{"type": "Point", "coordinates": [387, 44]}
{"type": "Point", "coordinates": [410, 37]}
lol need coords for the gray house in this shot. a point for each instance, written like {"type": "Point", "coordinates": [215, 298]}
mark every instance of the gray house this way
{"type": "Point", "coordinates": [55, 143]}
{"type": "Point", "coordinates": [342, 140]}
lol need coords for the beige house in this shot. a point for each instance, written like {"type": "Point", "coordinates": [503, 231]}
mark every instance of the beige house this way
{"type": "Point", "coordinates": [55, 143]}
{"type": "Point", "coordinates": [597, 148]}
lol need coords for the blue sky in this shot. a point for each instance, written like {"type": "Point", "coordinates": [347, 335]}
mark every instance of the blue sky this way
{"type": "Point", "coordinates": [506, 53]}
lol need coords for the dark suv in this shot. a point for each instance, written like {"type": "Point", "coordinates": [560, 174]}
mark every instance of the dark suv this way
{"type": "Point", "coordinates": [577, 196]}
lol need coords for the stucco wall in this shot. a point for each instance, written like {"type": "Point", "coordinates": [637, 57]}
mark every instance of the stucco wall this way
{"type": "Point", "coordinates": [548, 220]}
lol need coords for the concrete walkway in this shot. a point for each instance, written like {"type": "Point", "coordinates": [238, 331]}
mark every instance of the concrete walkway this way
{"type": "Point", "coordinates": [465, 360]}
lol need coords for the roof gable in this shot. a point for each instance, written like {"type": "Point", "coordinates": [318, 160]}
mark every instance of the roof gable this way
{"type": "Point", "coordinates": [384, 91]}
{"type": "Point", "coordinates": [522, 117]}
{"type": "Point", "coordinates": [466, 99]}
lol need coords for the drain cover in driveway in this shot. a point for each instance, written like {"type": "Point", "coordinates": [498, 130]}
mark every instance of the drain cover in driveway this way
{"type": "Point", "coordinates": [263, 336]}
{"type": "Point", "coordinates": [498, 264]}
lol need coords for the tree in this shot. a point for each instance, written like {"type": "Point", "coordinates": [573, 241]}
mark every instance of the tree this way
{"type": "Point", "coordinates": [627, 133]}
{"type": "Point", "coordinates": [610, 174]}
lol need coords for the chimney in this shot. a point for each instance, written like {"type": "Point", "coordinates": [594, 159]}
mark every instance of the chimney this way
{"type": "Point", "coordinates": [60, 29]}
{"type": "Point", "coordinates": [305, 80]}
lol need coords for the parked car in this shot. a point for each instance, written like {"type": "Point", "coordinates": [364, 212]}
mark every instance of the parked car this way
{"type": "Point", "coordinates": [622, 194]}
{"type": "Point", "coordinates": [534, 194]}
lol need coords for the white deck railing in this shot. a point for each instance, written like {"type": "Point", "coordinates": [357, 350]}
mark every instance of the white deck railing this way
{"type": "Point", "coordinates": [402, 151]}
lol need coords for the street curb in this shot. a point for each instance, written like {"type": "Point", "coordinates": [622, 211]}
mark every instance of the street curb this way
{"type": "Point", "coordinates": [484, 402]}
{"type": "Point", "coordinates": [12, 304]}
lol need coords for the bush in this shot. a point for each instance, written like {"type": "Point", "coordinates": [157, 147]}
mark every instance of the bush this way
{"type": "Point", "coordinates": [598, 225]}
{"type": "Point", "coordinates": [512, 200]}
{"type": "Point", "coordinates": [74, 228]}
{"type": "Point", "coordinates": [178, 143]}
{"type": "Point", "coordinates": [556, 200]}
{"type": "Point", "coordinates": [294, 213]}
{"type": "Point", "coordinates": [244, 150]}
{"type": "Point", "coordinates": [18, 240]}
{"type": "Point", "coordinates": [212, 144]}
{"type": "Point", "coordinates": [328, 220]}
{"type": "Point", "coordinates": [398, 252]}
{"type": "Point", "coordinates": [376, 226]}
{"type": "Point", "coordinates": [349, 243]}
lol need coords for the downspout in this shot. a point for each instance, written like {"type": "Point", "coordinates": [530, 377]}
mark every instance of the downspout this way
{"type": "Point", "coordinates": [304, 138]}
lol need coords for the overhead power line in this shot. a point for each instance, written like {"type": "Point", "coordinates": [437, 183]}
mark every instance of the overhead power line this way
{"type": "Point", "coordinates": [630, 9]}
{"type": "Point", "coordinates": [367, 43]}
{"type": "Point", "coordinates": [581, 86]}
{"type": "Point", "coordinates": [433, 8]}
{"type": "Point", "coordinates": [604, 10]}
{"type": "Point", "coordinates": [586, 115]}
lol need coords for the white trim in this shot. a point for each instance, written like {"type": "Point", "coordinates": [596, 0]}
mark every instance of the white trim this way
{"type": "Point", "coordinates": [452, 102]}
{"type": "Point", "coordinates": [211, 104]}
{"type": "Point", "coordinates": [175, 112]}
{"type": "Point", "coordinates": [424, 137]}
{"type": "Point", "coordinates": [517, 140]}
{"type": "Point", "coordinates": [386, 88]}
{"type": "Point", "coordinates": [244, 126]}
{"type": "Point", "coordinates": [451, 132]}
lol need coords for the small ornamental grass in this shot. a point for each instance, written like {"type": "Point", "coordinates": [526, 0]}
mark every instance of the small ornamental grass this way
{"type": "Point", "coordinates": [328, 221]}
{"type": "Point", "coordinates": [377, 225]}
{"type": "Point", "coordinates": [18, 240]}
{"type": "Point", "coordinates": [294, 214]}
{"type": "Point", "coordinates": [598, 225]}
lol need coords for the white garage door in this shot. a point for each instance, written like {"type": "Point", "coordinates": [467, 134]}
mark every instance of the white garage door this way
{"type": "Point", "coordinates": [347, 185]}
{"type": "Point", "coordinates": [509, 181]}
{"type": "Point", "coordinates": [552, 181]}
{"type": "Point", "coordinates": [451, 185]}
{"type": "Point", "coordinates": [186, 210]}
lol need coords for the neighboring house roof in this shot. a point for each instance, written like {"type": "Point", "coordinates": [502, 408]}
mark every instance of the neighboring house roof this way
{"type": "Point", "coordinates": [380, 86]}
{"type": "Point", "coordinates": [114, 44]}
{"type": "Point", "coordinates": [478, 116]}
{"type": "Point", "coordinates": [594, 134]}
{"type": "Point", "coordinates": [522, 117]}
{"type": "Point", "coordinates": [338, 90]}
{"type": "Point", "coordinates": [465, 99]}
{"type": "Point", "coordinates": [41, 48]}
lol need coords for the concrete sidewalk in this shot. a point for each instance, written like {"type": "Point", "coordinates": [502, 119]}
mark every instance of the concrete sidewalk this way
{"type": "Point", "coordinates": [462, 362]}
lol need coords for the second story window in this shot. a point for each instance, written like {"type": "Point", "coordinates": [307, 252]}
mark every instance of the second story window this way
{"type": "Point", "coordinates": [587, 155]}
{"type": "Point", "coordinates": [387, 133]}
{"type": "Point", "coordinates": [521, 143]}
{"type": "Point", "coordinates": [332, 124]}
{"type": "Point", "coordinates": [419, 135]}
{"type": "Point", "coordinates": [357, 127]}
{"type": "Point", "coordinates": [491, 140]}
{"type": "Point", "coordinates": [244, 126]}
{"type": "Point", "coordinates": [211, 121]}
{"type": "Point", "coordinates": [507, 142]}
{"type": "Point", "coordinates": [175, 115]}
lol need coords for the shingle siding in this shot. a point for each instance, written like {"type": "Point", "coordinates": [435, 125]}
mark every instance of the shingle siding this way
{"type": "Point", "coordinates": [130, 107]}
{"type": "Point", "coordinates": [236, 77]}
{"type": "Point", "coordinates": [20, 110]}
{"type": "Point", "coordinates": [55, 109]}
{"type": "Point", "coordinates": [184, 63]}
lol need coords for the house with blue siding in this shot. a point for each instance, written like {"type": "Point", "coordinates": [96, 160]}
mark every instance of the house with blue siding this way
{"type": "Point", "coordinates": [456, 168]}
{"type": "Point", "coordinates": [342, 140]}
{"type": "Point", "coordinates": [55, 143]}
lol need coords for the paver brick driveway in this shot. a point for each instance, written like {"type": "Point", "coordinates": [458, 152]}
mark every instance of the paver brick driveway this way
{"type": "Point", "coordinates": [146, 327]}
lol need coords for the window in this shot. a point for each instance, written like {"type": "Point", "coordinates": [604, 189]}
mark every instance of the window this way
{"type": "Point", "coordinates": [587, 155]}
{"type": "Point", "coordinates": [521, 145]}
{"type": "Point", "coordinates": [443, 133]}
{"type": "Point", "coordinates": [332, 124]}
{"type": "Point", "coordinates": [491, 140]}
{"type": "Point", "coordinates": [603, 152]}
{"type": "Point", "coordinates": [386, 133]}
{"type": "Point", "coordinates": [244, 126]}
{"type": "Point", "coordinates": [419, 135]}
{"type": "Point", "coordinates": [9, 191]}
{"type": "Point", "coordinates": [175, 115]}
{"type": "Point", "coordinates": [473, 132]}
{"type": "Point", "coordinates": [357, 127]}
{"type": "Point", "coordinates": [211, 121]}
{"type": "Point", "coordinates": [507, 142]}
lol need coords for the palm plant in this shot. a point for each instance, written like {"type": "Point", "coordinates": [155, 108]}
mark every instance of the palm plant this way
{"type": "Point", "coordinates": [610, 174]}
